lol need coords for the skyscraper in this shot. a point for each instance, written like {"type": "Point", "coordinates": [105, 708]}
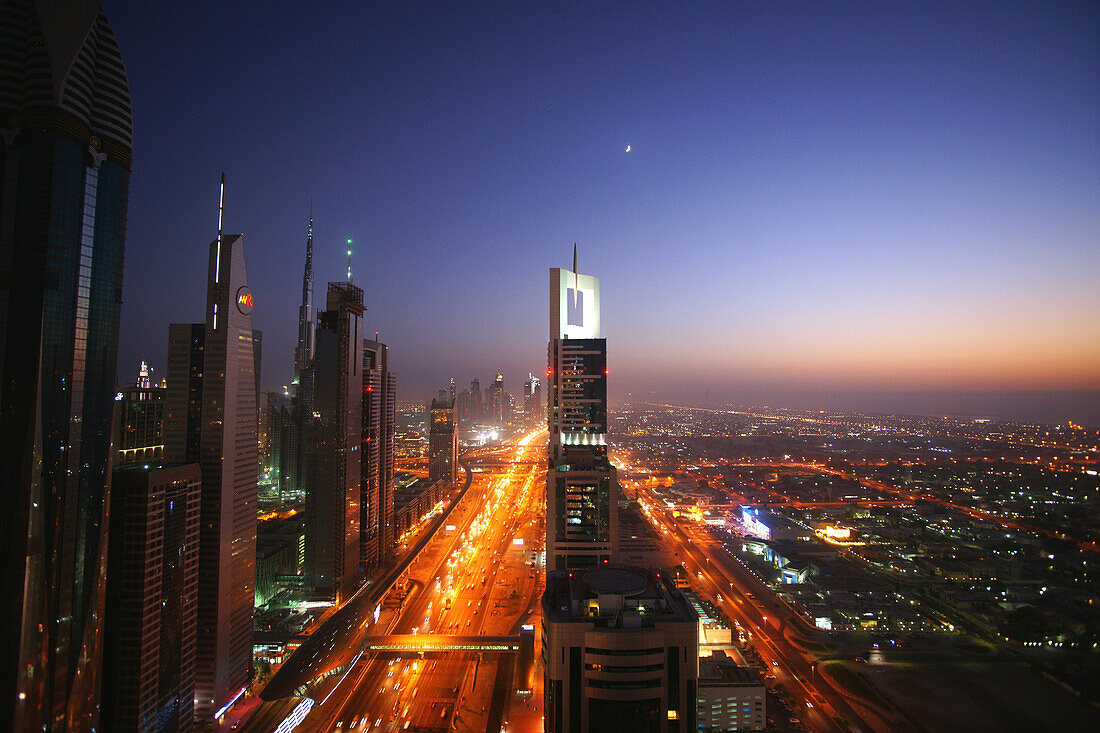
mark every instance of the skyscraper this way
{"type": "Point", "coordinates": [376, 478]}
{"type": "Point", "coordinates": [220, 399]}
{"type": "Point", "coordinates": [534, 409]}
{"type": "Point", "coordinates": [333, 441]}
{"type": "Point", "coordinates": [139, 425]}
{"type": "Point", "coordinates": [442, 441]}
{"type": "Point", "coordinates": [152, 583]}
{"type": "Point", "coordinates": [65, 153]}
{"type": "Point", "coordinates": [582, 517]}
{"type": "Point", "coordinates": [303, 352]}
{"type": "Point", "coordinates": [496, 401]}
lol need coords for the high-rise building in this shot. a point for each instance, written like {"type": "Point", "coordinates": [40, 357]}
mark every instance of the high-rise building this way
{"type": "Point", "coordinates": [534, 409]}
{"type": "Point", "coordinates": [477, 401]}
{"type": "Point", "coordinates": [65, 153]}
{"type": "Point", "coordinates": [183, 395]}
{"type": "Point", "coordinates": [442, 441]}
{"type": "Point", "coordinates": [303, 352]}
{"type": "Point", "coordinates": [621, 652]}
{"type": "Point", "coordinates": [282, 432]}
{"type": "Point", "coordinates": [215, 406]}
{"type": "Point", "coordinates": [333, 441]}
{"type": "Point", "coordinates": [152, 592]}
{"type": "Point", "coordinates": [139, 424]}
{"type": "Point", "coordinates": [582, 496]}
{"type": "Point", "coordinates": [496, 402]}
{"type": "Point", "coordinates": [377, 467]}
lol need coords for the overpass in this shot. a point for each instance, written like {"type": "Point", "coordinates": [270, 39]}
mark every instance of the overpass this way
{"type": "Point", "coordinates": [338, 640]}
{"type": "Point", "coordinates": [442, 643]}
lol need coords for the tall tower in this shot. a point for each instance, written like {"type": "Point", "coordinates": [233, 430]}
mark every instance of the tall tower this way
{"type": "Point", "coordinates": [303, 353]}
{"type": "Point", "coordinates": [582, 514]}
{"type": "Point", "coordinates": [65, 153]}
{"type": "Point", "coordinates": [333, 439]}
{"type": "Point", "coordinates": [377, 460]}
{"type": "Point", "coordinates": [212, 418]}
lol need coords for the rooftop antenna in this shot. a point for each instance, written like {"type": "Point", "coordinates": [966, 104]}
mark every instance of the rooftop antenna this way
{"type": "Point", "coordinates": [576, 277]}
{"type": "Point", "coordinates": [349, 260]}
{"type": "Point", "coordinates": [221, 213]}
{"type": "Point", "coordinates": [218, 249]}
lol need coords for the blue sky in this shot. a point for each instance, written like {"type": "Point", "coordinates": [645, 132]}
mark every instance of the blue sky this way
{"type": "Point", "coordinates": [885, 206]}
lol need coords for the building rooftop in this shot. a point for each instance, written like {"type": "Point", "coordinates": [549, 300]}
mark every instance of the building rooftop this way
{"type": "Point", "coordinates": [721, 670]}
{"type": "Point", "coordinates": [614, 597]}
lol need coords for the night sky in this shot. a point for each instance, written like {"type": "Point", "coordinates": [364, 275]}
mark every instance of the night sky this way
{"type": "Point", "coordinates": [870, 206]}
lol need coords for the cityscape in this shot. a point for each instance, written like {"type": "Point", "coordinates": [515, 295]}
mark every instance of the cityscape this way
{"type": "Point", "coordinates": [801, 453]}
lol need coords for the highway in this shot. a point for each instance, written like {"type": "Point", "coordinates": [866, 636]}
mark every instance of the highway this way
{"type": "Point", "coordinates": [717, 575]}
{"type": "Point", "coordinates": [468, 581]}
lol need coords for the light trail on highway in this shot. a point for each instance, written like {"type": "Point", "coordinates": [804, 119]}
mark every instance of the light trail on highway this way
{"type": "Point", "coordinates": [473, 580]}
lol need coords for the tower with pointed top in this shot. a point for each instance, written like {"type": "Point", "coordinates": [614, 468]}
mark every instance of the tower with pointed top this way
{"type": "Point", "coordinates": [307, 327]}
{"type": "Point", "coordinates": [582, 517]}
{"type": "Point", "coordinates": [212, 420]}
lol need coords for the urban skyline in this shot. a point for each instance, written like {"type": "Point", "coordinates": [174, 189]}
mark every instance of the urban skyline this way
{"type": "Point", "coordinates": [263, 537]}
{"type": "Point", "coordinates": [890, 211]}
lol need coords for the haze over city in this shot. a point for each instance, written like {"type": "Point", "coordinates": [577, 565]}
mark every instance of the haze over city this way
{"type": "Point", "coordinates": [549, 368]}
{"type": "Point", "coordinates": [889, 209]}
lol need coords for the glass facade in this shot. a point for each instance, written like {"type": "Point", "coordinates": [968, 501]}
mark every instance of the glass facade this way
{"type": "Point", "coordinates": [63, 228]}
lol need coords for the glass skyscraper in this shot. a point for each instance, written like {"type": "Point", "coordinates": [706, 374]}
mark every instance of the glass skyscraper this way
{"type": "Point", "coordinates": [582, 514]}
{"type": "Point", "coordinates": [65, 153]}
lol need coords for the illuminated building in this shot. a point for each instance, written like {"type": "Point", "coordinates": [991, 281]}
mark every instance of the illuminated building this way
{"type": "Point", "coordinates": [65, 153]}
{"type": "Point", "coordinates": [333, 440]}
{"type": "Point", "coordinates": [212, 408]}
{"type": "Point", "coordinates": [442, 442]}
{"type": "Point", "coordinates": [621, 652]}
{"type": "Point", "coordinates": [376, 534]}
{"type": "Point", "coordinates": [496, 402]}
{"type": "Point", "coordinates": [534, 409]}
{"type": "Point", "coordinates": [582, 496]}
{"type": "Point", "coordinates": [152, 585]}
{"type": "Point", "coordinates": [139, 426]}
{"type": "Point", "coordinates": [731, 698]}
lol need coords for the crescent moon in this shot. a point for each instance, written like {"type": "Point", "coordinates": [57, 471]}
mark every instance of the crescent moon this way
{"type": "Point", "coordinates": [628, 148]}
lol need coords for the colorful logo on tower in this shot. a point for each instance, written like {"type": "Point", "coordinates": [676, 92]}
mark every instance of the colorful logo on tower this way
{"type": "Point", "coordinates": [244, 300]}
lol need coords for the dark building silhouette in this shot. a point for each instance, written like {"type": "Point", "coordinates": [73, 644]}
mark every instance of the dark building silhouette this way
{"type": "Point", "coordinates": [333, 440]}
{"type": "Point", "coordinates": [442, 441]}
{"type": "Point", "coordinates": [139, 423]}
{"type": "Point", "coordinates": [65, 156]}
{"type": "Point", "coordinates": [152, 594]}
{"type": "Point", "coordinates": [376, 479]}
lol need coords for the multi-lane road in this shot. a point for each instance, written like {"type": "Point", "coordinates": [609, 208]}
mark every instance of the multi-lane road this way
{"type": "Point", "coordinates": [474, 578]}
{"type": "Point", "coordinates": [766, 621]}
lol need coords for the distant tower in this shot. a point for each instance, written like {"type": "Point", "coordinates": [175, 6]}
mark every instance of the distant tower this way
{"type": "Point", "coordinates": [303, 353]}
{"type": "Point", "coordinates": [582, 497]}
{"type": "Point", "coordinates": [442, 441]}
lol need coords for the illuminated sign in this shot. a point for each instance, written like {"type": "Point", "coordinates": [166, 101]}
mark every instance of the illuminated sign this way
{"type": "Point", "coordinates": [574, 305]}
{"type": "Point", "coordinates": [517, 541]}
{"type": "Point", "coordinates": [244, 300]}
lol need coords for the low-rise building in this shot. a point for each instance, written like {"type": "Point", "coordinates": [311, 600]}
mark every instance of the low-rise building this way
{"type": "Point", "coordinates": [731, 698]}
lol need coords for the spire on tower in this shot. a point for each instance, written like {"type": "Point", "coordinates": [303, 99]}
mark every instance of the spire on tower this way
{"type": "Point", "coordinates": [303, 354]}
